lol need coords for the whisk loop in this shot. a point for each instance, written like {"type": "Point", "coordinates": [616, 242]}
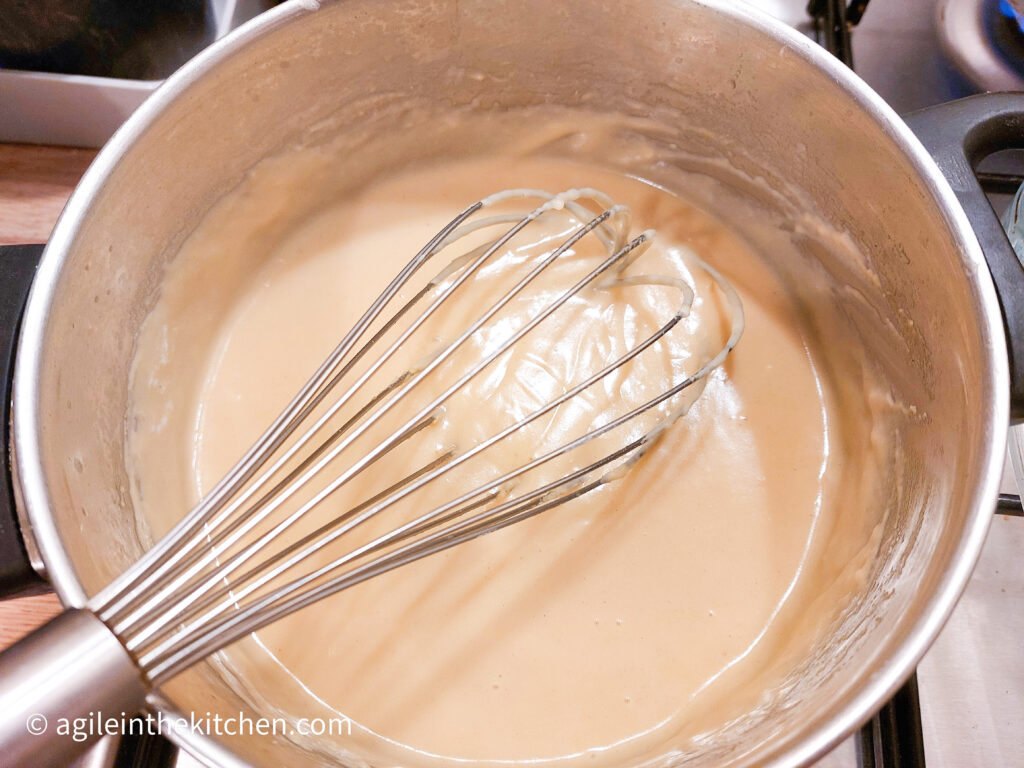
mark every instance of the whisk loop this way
{"type": "Point", "coordinates": [249, 553]}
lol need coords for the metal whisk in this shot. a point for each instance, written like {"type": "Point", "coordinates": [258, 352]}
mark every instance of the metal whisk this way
{"type": "Point", "coordinates": [250, 552]}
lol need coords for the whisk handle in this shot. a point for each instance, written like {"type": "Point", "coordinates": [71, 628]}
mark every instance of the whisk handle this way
{"type": "Point", "coordinates": [58, 684]}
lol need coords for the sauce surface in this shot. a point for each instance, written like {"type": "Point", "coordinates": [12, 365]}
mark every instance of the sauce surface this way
{"type": "Point", "coordinates": [639, 616]}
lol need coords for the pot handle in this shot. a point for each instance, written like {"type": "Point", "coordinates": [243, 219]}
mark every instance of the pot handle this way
{"type": "Point", "coordinates": [959, 134]}
{"type": "Point", "coordinates": [17, 268]}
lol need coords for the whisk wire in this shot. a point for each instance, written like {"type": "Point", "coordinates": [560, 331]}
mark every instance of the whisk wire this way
{"type": "Point", "coordinates": [323, 538]}
{"type": "Point", "coordinates": [270, 608]}
{"type": "Point", "coordinates": [270, 536]}
{"type": "Point", "coordinates": [344, 523]}
{"type": "Point", "coordinates": [267, 504]}
{"type": "Point", "coordinates": [120, 593]}
{"type": "Point", "coordinates": [204, 586]}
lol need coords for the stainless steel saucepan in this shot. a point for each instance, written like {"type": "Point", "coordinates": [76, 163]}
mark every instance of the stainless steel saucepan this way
{"type": "Point", "coordinates": [763, 128]}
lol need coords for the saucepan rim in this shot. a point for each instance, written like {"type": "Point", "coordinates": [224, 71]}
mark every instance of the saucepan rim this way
{"type": "Point", "coordinates": [33, 498]}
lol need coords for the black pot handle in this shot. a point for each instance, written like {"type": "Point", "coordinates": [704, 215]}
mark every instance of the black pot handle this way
{"type": "Point", "coordinates": [960, 134]}
{"type": "Point", "coordinates": [17, 268]}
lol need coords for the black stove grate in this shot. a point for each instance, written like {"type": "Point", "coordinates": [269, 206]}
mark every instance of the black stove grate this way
{"type": "Point", "coordinates": [833, 20]}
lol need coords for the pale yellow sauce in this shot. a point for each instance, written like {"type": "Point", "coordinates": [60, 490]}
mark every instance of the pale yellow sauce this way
{"type": "Point", "coordinates": [610, 629]}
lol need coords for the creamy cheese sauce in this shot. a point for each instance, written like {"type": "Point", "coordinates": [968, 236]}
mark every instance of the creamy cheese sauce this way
{"type": "Point", "coordinates": [627, 622]}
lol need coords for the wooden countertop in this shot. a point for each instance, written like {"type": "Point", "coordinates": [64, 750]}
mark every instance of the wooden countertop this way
{"type": "Point", "coordinates": [34, 185]}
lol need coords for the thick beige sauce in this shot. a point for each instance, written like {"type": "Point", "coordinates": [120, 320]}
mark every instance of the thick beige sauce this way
{"type": "Point", "coordinates": [632, 620]}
